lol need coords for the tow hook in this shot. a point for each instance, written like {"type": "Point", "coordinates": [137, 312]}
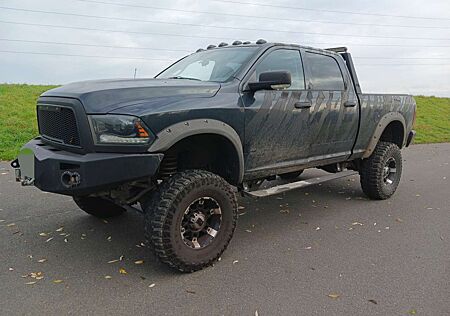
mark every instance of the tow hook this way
{"type": "Point", "coordinates": [70, 179]}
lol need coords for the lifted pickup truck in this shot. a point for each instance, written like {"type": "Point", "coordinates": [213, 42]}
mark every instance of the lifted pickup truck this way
{"type": "Point", "coordinates": [179, 147]}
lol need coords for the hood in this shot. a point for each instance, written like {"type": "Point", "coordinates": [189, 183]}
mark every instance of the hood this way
{"type": "Point", "coordinates": [103, 96]}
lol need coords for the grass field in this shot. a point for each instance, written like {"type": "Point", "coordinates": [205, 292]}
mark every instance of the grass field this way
{"type": "Point", "coordinates": [18, 118]}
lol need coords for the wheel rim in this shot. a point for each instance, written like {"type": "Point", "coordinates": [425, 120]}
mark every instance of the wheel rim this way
{"type": "Point", "coordinates": [390, 171]}
{"type": "Point", "coordinates": [201, 222]}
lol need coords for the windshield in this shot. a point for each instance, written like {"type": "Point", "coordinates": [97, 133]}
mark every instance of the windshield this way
{"type": "Point", "coordinates": [217, 65]}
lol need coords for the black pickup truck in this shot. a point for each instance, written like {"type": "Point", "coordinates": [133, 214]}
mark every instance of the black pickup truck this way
{"type": "Point", "coordinates": [227, 119]}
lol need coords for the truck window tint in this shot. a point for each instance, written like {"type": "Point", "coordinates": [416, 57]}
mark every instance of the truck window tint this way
{"type": "Point", "coordinates": [325, 72]}
{"type": "Point", "coordinates": [284, 60]}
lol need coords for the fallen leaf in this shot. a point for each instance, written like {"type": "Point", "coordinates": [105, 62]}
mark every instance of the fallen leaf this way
{"type": "Point", "coordinates": [235, 261]}
{"type": "Point", "coordinates": [43, 234]}
{"type": "Point", "coordinates": [2, 220]}
{"type": "Point", "coordinates": [399, 220]}
{"type": "Point", "coordinates": [248, 230]}
{"type": "Point", "coordinates": [317, 228]}
{"type": "Point", "coordinates": [30, 283]}
{"type": "Point", "coordinates": [373, 301]}
{"type": "Point", "coordinates": [121, 258]}
{"type": "Point", "coordinates": [123, 271]}
{"type": "Point", "coordinates": [42, 260]}
{"type": "Point", "coordinates": [49, 239]}
{"type": "Point", "coordinates": [241, 207]}
{"type": "Point", "coordinates": [60, 229]}
{"type": "Point", "coordinates": [139, 262]}
{"type": "Point", "coordinates": [109, 238]}
{"type": "Point", "coordinates": [108, 277]}
{"type": "Point", "coordinates": [412, 312]}
{"type": "Point", "coordinates": [11, 225]}
{"type": "Point", "coordinates": [190, 291]}
{"type": "Point", "coordinates": [357, 223]}
{"type": "Point", "coordinates": [105, 221]}
{"type": "Point", "coordinates": [11, 269]}
{"type": "Point", "coordinates": [334, 296]}
{"type": "Point", "coordinates": [256, 313]}
{"type": "Point", "coordinates": [152, 285]}
{"type": "Point", "coordinates": [113, 261]}
{"type": "Point", "coordinates": [58, 281]}
{"type": "Point", "coordinates": [308, 248]}
{"type": "Point", "coordinates": [65, 240]}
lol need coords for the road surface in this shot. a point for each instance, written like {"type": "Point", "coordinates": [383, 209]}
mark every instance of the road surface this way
{"type": "Point", "coordinates": [322, 250]}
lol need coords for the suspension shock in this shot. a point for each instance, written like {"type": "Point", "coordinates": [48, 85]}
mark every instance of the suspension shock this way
{"type": "Point", "coordinates": [169, 166]}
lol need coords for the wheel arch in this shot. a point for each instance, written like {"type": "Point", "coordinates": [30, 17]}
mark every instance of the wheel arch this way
{"type": "Point", "coordinates": [183, 131]}
{"type": "Point", "coordinates": [390, 128]}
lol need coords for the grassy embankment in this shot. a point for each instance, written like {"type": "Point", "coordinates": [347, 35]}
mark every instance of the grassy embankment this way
{"type": "Point", "coordinates": [18, 118]}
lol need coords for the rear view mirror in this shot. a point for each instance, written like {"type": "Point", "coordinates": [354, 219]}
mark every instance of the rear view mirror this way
{"type": "Point", "coordinates": [272, 80]}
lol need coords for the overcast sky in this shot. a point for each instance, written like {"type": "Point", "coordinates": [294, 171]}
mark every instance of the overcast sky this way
{"type": "Point", "coordinates": [417, 62]}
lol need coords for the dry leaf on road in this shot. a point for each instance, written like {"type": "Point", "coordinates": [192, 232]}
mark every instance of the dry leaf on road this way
{"type": "Point", "coordinates": [123, 271]}
{"type": "Point", "coordinates": [334, 296]}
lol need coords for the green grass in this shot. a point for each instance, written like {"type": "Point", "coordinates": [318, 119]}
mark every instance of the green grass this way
{"type": "Point", "coordinates": [433, 120]}
{"type": "Point", "coordinates": [18, 118]}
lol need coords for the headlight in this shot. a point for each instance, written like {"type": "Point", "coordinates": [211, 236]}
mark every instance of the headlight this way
{"type": "Point", "coordinates": [119, 129]}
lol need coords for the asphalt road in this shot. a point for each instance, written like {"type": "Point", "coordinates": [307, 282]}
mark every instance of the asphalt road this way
{"type": "Point", "coordinates": [288, 255]}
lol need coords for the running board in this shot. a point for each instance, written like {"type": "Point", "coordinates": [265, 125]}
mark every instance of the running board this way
{"type": "Point", "coordinates": [299, 184]}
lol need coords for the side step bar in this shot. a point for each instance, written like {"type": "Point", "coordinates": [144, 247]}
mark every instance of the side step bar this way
{"type": "Point", "coordinates": [298, 184]}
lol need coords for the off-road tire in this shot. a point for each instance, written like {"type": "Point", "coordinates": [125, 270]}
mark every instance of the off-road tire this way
{"type": "Point", "coordinates": [164, 215]}
{"type": "Point", "coordinates": [98, 207]}
{"type": "Point", "coordinates": [371, 171]}
{"type": "Point", "coordinates": [291, 175]}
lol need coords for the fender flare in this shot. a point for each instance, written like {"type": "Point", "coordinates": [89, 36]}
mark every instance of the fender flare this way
{"type": "Point", "coordinates": [382, 124]}
{"type": "Point", "coordinates": [176, 132]}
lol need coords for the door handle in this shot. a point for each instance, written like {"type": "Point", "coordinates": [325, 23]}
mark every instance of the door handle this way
{"type": "Point", "coordinates": [303, 105]}
{"type": "Point", "coordinates": [349, 104]}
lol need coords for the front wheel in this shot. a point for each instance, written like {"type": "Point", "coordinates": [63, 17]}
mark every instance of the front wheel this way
{"type": "Point", "coordinates": [380, 173]}
{"type": "Point", "coordinates": [190, 221]}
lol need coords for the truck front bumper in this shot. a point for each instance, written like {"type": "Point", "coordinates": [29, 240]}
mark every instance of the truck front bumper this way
{"type": "Point", "coordinates": [59, 171]}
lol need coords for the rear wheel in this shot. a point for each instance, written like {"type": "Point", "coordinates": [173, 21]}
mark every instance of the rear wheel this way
{"type": "Point", "coordinates": [381, 172]}
{"type": "Point", "coordinates": [291, 175]}
{"type": "Point", "coordinates": [98, 207]}
{"type": "Point", "coordinates": [191, 220]}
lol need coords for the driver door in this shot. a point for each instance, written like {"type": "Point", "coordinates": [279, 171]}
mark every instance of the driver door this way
{"type": "Point", "coordinates": [275, 119]}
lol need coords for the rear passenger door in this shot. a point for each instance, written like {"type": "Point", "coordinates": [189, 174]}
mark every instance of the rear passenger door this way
{"type": "Point", "coordinates": [334, 113]}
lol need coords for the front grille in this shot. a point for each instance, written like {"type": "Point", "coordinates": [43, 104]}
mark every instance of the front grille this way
{"type": "Point", "coordinates": [58, 124]}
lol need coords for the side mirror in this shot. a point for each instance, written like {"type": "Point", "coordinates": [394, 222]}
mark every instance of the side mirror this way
{"type": "Point", "coordinates": [272, 80]}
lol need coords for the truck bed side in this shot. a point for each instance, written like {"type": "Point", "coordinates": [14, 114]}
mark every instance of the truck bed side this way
{"type": "Point", "coordinates": [377, 111]}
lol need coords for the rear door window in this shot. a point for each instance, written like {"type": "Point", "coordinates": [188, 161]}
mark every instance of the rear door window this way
{"type": "Point", "coordinates": [325, 72]}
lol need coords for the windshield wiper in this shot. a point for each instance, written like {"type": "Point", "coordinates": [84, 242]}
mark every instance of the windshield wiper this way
{"type": "Point", "coordinates": [187, 78]}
